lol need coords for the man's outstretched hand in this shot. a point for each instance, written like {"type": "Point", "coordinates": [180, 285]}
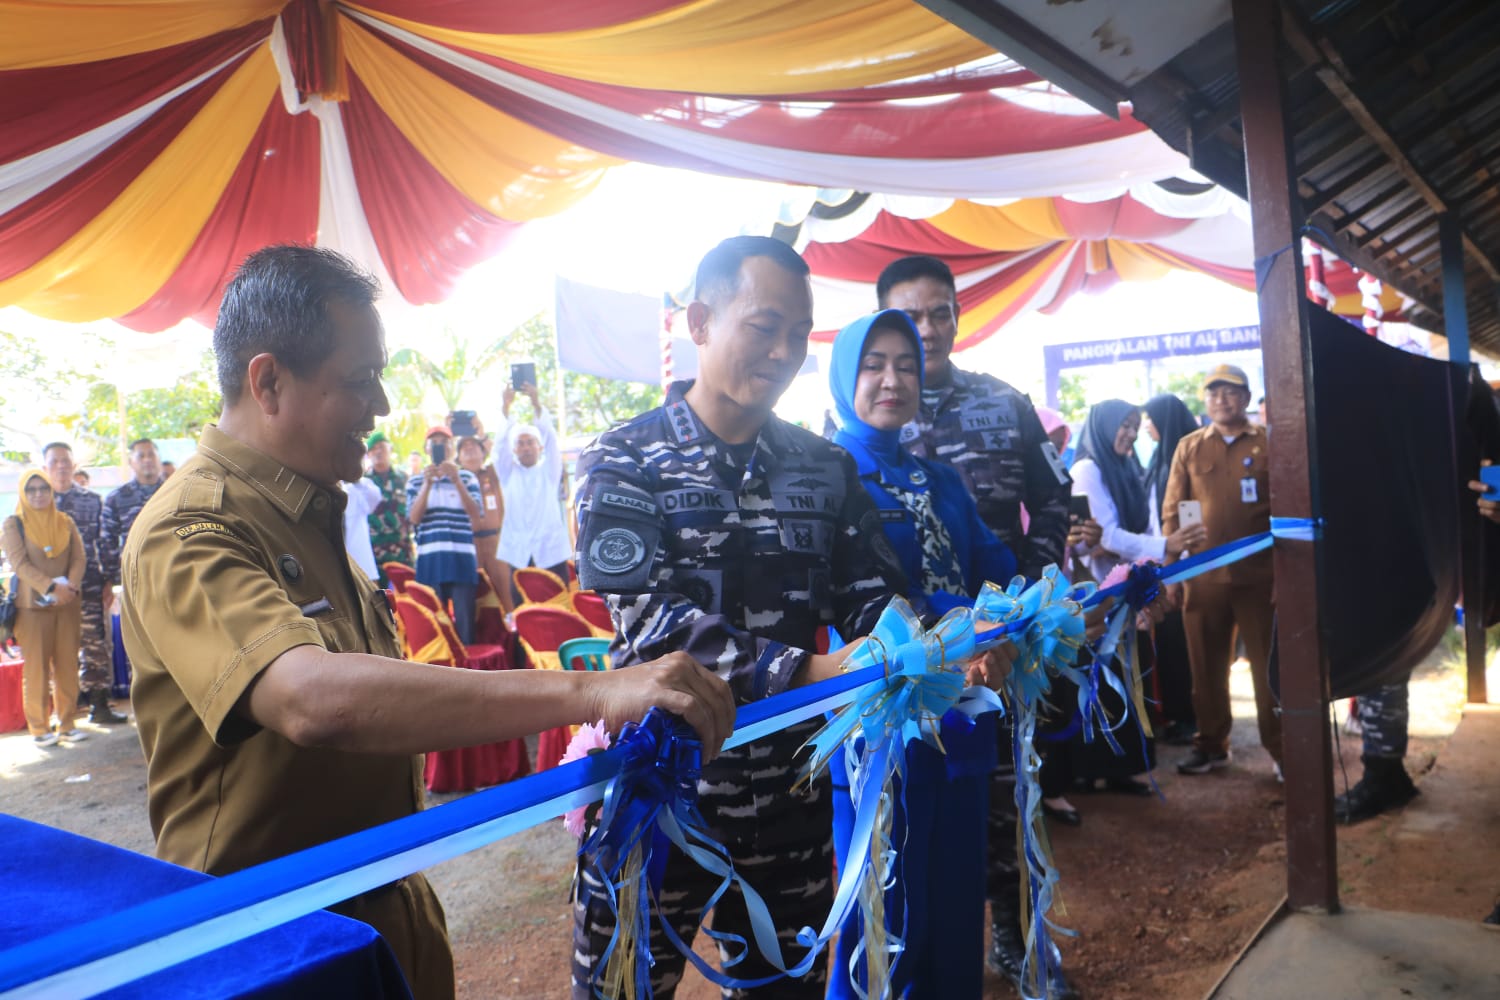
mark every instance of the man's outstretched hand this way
{"type": "Point", "coordinates": [677, 684]}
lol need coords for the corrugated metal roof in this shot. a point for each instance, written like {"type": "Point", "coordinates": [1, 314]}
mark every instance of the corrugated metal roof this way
{"type": "Point", "coordinates": [1395, 106]}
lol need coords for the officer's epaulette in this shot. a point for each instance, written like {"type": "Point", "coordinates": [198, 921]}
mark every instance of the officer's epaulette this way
{"type": "Point", "coordinates": [200, 491]}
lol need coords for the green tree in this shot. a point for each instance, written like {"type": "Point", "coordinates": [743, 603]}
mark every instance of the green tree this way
{"type": "Point", "coordinates": [1187, 387]}
{"type": "Point", "coordinates": [593, 404]}
{"type": "Point", "coordinates": [1072, 398]}
{"type": "Point", "coordinates": [181, 411]}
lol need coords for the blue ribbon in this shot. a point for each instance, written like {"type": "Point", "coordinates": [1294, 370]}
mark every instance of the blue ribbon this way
{"type": "Point", "coordinates": [109, 951]}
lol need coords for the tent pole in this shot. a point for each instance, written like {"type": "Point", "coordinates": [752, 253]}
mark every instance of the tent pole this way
{"type": "Point", "coordinates": [1312, 865]}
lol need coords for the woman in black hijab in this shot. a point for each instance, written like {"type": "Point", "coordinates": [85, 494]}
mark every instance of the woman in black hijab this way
{"type": "Point", "coordinates": [1168, 419]}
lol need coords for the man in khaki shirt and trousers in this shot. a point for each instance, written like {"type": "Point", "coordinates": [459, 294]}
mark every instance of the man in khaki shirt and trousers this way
{"type": "Point", "coordinates": [273, 706]}
{"type": "Point", "coordinates": [1225, 468]}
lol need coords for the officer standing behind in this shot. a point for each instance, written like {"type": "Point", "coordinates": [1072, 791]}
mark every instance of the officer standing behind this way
{"type": "Point", "coordinates": [120, 510]}
{"type": "Point", "coordinates": [272, 706]}
{"type": "Point", "coordinates": [990, 433]}
{"type": "Point", "coordinates": [713, 527]}
{"type": "Point", "coordinates": [96, 673]}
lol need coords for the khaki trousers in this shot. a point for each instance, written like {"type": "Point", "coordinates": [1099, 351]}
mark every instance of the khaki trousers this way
{"type": "Point", "coordinates": [410, 918]}
{"type": "Point", "coordinates": [1210, 614]}
{"type": "Point", "coordinates": [49, 643]}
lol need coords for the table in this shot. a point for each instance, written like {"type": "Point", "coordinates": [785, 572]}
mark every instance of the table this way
{"type": "Point", "coordinates": [54, 880]}
{"type": "Point", "coordinates": [12, 707]}
{"type": "Point", "coordinates": [468, 768]}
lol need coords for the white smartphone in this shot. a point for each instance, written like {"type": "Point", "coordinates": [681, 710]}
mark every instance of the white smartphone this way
{"type": "Point", "coordinates": [1189, 513]}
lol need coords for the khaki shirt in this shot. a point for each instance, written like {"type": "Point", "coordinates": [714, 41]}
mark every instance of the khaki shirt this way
{"type": "Point", "coordinates": [1212, 472]}
{"type": "Point", "coordinates": [234, 561]}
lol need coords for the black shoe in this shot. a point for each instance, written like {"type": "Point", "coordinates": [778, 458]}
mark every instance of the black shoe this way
{"type": "Point", "coordinates": [1385, 785]}
{"type": "Point", "coordinates": [1067, 817]}
{"type": "Point", "coordinates": [1128, 786]}
{"type": "Point", "coordinates": [1179, 734]}
{"type": "Point", "coordinates": [1199, 762]}
{"type": "Point", "coordinates": [1492, 922]}
{"type": "Point", "coordinates": [100, 713]}
{"type": "Point", "coordinates": [1007, 951]}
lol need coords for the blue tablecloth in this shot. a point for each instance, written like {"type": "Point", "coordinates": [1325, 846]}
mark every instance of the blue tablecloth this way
{"type": "Point", "coordinates": [51, 880]}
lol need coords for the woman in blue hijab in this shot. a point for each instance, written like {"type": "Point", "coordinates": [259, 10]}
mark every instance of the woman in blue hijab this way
{"type": "Point", "coordinates": [936, 902]}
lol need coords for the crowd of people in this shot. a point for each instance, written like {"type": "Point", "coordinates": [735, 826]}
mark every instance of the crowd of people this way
{"type": "Point", "coordinates": [276, 712]}
{"type": "Point", "coordinates": [63, 546]}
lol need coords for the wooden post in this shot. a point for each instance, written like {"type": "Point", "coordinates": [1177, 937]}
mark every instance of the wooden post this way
{"type": "Point", "coordinates": [1471, 537]}
{"type": "Point", "coordinates": [1312, 877]}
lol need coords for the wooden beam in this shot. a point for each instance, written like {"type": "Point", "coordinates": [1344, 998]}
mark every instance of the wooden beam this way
{"type": "Point", "coordinates": [1312, 863]}
{"type": "Point", "coordinates": [1320, 50]}
{"type": "Point", "coordinates": [1033, 48]}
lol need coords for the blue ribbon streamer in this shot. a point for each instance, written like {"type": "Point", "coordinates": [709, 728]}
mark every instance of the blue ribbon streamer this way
{"type": "Point", "coordinates": [109, 951]}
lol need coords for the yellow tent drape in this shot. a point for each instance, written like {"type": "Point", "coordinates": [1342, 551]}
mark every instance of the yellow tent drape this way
{"type": "Point", "coordinates": [1021, 225]}
{"type": "Point", "coordinates": [738, 46]}
{"type": "Point", "coordinates": [509, 168]}
{"type": "Point", "coordinates": [124, 255]}
{"type": "Point", "coordinates": [65, 33]}
{"type": "Point", "coordinates": [971, 321]}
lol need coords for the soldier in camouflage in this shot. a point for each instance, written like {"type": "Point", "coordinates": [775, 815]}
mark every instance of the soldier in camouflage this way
{"type": "Point", "coordinates": [990, 433]}
{"type": "Point", "coordinates": [96, 656]}
{"type": "Point", "coordinates": [1384, 717]}
{"type": "Point", "coordinates": [712, 527]}
{"type": "Point", "coordinates": [121, 508]}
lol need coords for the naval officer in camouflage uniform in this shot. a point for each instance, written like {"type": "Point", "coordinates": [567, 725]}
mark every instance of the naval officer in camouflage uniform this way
{"type": "Point", "coordinates": [96, 657]}
{"type": "Point", "coordinates": [272, 704]}
{"type": "Point", "coordinates": [990, 433]}
{"type": "Point", "coordinates": [712, 527]}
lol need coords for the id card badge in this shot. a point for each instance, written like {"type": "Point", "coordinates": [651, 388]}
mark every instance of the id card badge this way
{"type": "Point", "coordinates": [1248, 492]}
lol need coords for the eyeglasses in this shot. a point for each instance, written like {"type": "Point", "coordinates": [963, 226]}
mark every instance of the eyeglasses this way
{"type": "Point", "coordinates": [937, 315]}
{"type": "Point", "coordinates": [1224, 391]}
{"type": "Point", "coordinates": [38, 490]}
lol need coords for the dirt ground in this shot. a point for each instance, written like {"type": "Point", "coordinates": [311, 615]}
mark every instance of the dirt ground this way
{"type": "Point", "coordinates": [1163, 893]}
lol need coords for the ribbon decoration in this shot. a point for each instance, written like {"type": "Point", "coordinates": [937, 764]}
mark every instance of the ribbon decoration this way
{"type": "Point", "coordinates": [96, 955]}
{"type": "Point", "coordinates": [924, 687]}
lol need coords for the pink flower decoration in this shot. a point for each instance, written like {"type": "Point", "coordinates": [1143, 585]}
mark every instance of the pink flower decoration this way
{"type": "Point", "coordinates": [588, 739]}
{"type": "Point", "coordinates": [1116, 575]}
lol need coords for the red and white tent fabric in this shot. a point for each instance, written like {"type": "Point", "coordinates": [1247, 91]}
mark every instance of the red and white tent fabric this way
{"type": "Point", "coordinates": [146, 147]}
{"type": "Point", "coordinates": [1031, 254]}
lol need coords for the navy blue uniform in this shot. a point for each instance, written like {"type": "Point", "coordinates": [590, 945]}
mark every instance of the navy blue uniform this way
{"type": "Point", "coordinates": [738, 556]}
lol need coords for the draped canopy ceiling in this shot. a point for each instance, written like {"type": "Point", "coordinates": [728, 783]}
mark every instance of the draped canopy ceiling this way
{"type": "Point", "coordinates": [146, 147]}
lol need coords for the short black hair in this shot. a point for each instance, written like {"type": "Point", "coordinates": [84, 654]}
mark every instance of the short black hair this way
{"type": "Point", "coordinates": [719, 271]}
{"type": "Point", "coordinates": [277, 303]}
{"type": "Point", "coordinates": [140, 441]}
{"type": "Point", "coordinates": [56, 444]}
{"type": "Point", "coordinates": [906, 269]}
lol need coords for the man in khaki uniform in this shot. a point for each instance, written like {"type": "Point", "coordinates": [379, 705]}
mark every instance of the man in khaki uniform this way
{"type": "Point", "coordinates": [1225, 467]}
{"type": "Point", "coordinates": [273, 707]}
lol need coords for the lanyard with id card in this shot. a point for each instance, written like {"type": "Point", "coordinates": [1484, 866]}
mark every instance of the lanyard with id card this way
{"type": "Point", "coordinates": [1249, 493]}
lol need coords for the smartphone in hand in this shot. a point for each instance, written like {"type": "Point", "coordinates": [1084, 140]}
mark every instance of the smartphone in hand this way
{"type": "Point", "coordinates": [1078, 509]}
{"type": "Point", "coordinates": [1189, 513]}
{"type": "Point", "coordinates": [522, 374]}
{"type": "Point", "coordinates": [1489, 475]}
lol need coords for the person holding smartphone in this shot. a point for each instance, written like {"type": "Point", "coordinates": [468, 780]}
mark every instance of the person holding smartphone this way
{"type": "Point", "coordinates": [1220, 474]}
{"type": "Point", "coordinates": [444, 500]}
{"type": "Point", "coordinates": [528, 462]}
{"type": "Point", "coordinates": [1109, 477]}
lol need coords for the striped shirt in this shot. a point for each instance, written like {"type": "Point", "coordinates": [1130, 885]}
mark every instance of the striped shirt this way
{"type": "Point", "coordinates": [445, 538]}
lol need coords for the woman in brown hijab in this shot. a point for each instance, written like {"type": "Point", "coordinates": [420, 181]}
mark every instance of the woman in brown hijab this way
{"type": "Point", "coordinates": [46, 552]}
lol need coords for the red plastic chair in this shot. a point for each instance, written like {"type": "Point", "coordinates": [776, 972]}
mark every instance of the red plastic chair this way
{"type": "Point", "coordinates": [399, 574]}
{"type": "Point", "coordinates": [540, 586]}
{"type": "Point", "coordinates": [489, 615]}
{"type": "Point", "coordinates": [426, 641]}
{"type": "Point", "coordinates": [541, 629]}
{"type": "Point", "coordinates": [591, 608]}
